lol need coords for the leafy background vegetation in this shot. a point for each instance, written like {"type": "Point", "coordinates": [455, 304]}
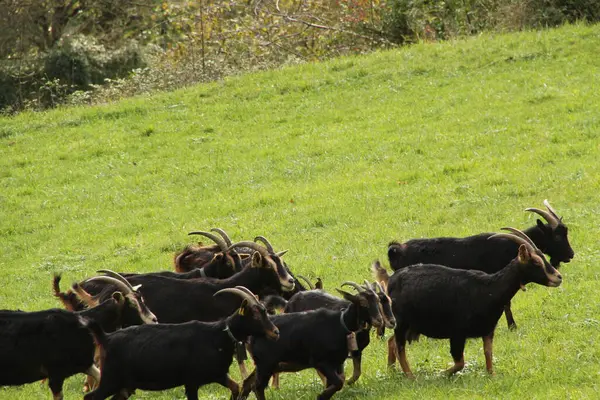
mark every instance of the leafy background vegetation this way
{"type": "Point", "coordinates": [56, 52]}
{"type": "Point", "coordinates": [332, 161]}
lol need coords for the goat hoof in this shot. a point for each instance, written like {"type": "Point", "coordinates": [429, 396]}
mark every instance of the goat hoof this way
{"type": "Point", "coordinates": [512, 327]}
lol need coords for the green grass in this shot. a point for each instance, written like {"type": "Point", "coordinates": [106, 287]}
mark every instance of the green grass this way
{"type": "Point", "coordinates": [332, 161]}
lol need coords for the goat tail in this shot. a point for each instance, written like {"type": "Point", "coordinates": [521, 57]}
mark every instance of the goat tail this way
{"type": "Point", "coordinates": [83, 296]}
{"type": "Point", "coordinates": [380, 274]}
{"type": "Point", "coordinates": [66, 298]}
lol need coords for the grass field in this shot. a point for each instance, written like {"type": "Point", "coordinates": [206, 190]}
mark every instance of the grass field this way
{"type": "Point", "coordinates": [332, 161]}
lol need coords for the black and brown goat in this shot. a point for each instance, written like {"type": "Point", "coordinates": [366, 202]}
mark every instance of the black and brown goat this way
{"type": "Point", "coordinates": [191, 354]}
{"type": "Point", "coordinates": [312, 339]}
{"type": "Point", "coordinates": [81, 296]}
{"type": "Point", "coordinates": [199, 256]}
{"type": "Point", "coordinates": [370, 310]}
{"type": "Point", "coordinates": [490, 256]}
{"type": "Point", "coordinates": [456, 304]}
{"type": "Point", "coordinates": [55, 344]}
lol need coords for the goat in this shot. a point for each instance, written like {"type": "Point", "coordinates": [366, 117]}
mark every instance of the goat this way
{"type": "Point", "coordinates": [191, 354]}
{"type": "Point", "coordinates": [199, 256]}
{"type": "Point", "coordinates": [133, 312]}
{"type": "Point", "coordinates": [477, 252]}
{"type": "Point", "coordinates": [311, 339]}
{"type": "Point", "coordinates": [370, 309]}
{"type": "Point", "coordinates": [54, 344]}
{"type": "Point", "coordinates": [457, 304]}
{"type": "Point", "coordinates": [78, 298]}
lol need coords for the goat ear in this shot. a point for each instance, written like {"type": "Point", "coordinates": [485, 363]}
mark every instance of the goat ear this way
{"type": "Point", "coordinates": [256, 259]}
{"type": "Point", "coordinates": [524, 255]}
{"type": "Point", "coordinates": [319, 284]}
{"type": "Point", "coordinates": [118, 297]}
{"type": "Point", "coordinates": [541, 225]}
{"type": "Point", "coordinates": [243, 256]}
{"type": "Point", "coordinates": [218, 257]}
{"type": "Point", "coordinates": [243, 306]}
{"type": "Point", "coordinates": [348, 296]}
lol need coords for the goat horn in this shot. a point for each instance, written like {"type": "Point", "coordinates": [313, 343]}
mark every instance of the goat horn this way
{"type": "Point", "coordinates": [354, 285]}
{"type": "Point", "coordinates": [219, 241]}
{"type": "Point", "coordinates": [512, 237]}
{"type": "Point", "coordinates": [248, 296]}
{"type": "Point", "coordinates": [378, 285]}
{"type": "Point", "coordinates": [120, 285]}
{"type": "Point", "coordinates": [223, 234]}
{"type": "Point", "coordinates": [248, 291]}
{"type": "Point", "coordinates": [547, 216]}
{"type": "Point", "coordinates": [117, 276]}
{"type": "Point", "coordinates": [266, 242]}
{"type": "Point", "coordinates": [310, 285]}
{"type": "Point", "coordinates": [521, 235]}
{"type": "Point", "coordinates": [552, 211]}
{"type": "Point", "coordinates": [254, 246]}
{"type": "Point", "coordinates": [368, 286]}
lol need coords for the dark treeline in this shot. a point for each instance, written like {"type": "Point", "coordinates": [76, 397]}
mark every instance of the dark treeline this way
{"type": "Point", "coordinates": [83, 51]}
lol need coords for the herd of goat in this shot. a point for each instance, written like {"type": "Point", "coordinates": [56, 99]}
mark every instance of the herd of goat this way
{"type": "Point", "coordinates": [160, 330]}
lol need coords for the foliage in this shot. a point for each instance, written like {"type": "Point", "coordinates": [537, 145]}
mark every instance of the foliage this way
{"type": "Point", "coordinates": [332, 161]}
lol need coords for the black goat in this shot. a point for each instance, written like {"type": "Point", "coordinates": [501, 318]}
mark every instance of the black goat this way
{"type": "Point", "coordinates": [455, 304]}
{"type": "Point", "coordinates": [490, 256]}
{"type": "Point", "coordinates": [370, 310]}
{"type": "Point", "coordinates": [78, 298]}
{"type": "Point", "coordinates": [54, 344]}
{"type": "Point", "coordinates": [191, 354]}
{"type": "Point", "coordinates": [311, 339]}
{"type": "Point", "coordinates": [198, 256]}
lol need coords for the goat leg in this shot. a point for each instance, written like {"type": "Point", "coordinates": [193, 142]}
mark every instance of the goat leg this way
{"type": "Point", "coordinates": [229, 384]}
{"type": "Point", "coordinates": [334, 382]}
{"type": "Point", "coordinates": [356, 364]}
{"type": "Point", "coordinates": [487, 351]}
{"type": "Point", "coordinates": [457, 348]}
{"type": "Point", "coordinates": [248, 385]}
{"type": "Point", "coordinates": [392, 351]}
{"type": "Point", "coordinates": [399, 351]}
{"type": "Point", "coordinates": [512, 325]}
{"type": "Point", "coordinates": [275, 381]}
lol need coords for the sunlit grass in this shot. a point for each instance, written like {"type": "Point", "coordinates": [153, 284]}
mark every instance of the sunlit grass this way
{"type": "Point", "coordinates": [332, 161]}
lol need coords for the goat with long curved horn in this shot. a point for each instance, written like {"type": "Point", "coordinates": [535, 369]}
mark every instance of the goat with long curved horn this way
{"type": "Point", "coordinates": [546, 215]}
{"type": "Point", "coordinates": [354, 285]}
{"type": "Point", "coordinates": [266, 242]}
{"type": "Point", "coordinates": [117, 276]}
{"type": "Point", "coordinates": [241, 291]}
{"type": "Point", "coordinates": [219, 241]}
{"type": "Point", "coordinates": [126, 289]}
{"type": "Point", "coordinates": [252, 245]}
{"type": "Point", "coordinates": [223, 234]}
{"type": "Point", "coordinates": [552, 211]}
{"type": "Point", "coordinates": [522, 235]}
{"type": "Point", "coordinates": [310, 285]}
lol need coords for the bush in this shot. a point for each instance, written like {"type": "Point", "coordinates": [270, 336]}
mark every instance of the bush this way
{"type": "Point", "coordinates": [411, 20]}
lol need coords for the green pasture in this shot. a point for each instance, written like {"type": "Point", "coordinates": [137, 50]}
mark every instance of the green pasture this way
{"type": "Point", "coordinates": [332, 161]}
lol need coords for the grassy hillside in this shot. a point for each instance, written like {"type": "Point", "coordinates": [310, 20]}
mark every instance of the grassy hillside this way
{"type": "Point", "coordinates": [332, 161]}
